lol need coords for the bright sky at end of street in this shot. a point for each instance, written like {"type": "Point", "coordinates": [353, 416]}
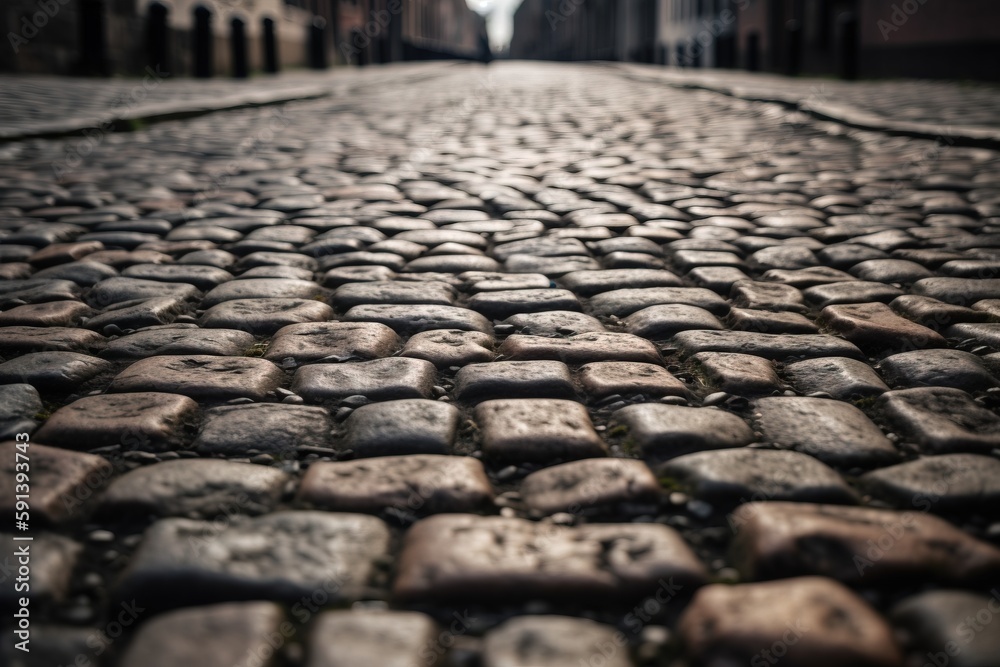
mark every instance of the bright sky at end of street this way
{"type": "Point", "coordinates": [501, 19]}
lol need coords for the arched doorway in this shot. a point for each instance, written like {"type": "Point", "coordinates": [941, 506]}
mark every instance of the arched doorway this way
{"type": "Point", "coordinates": [158, 38]}
{"type": "Point", "coordinates": [270, 47]}
{"type": "Point", "coordinates": [203, 66]}
{"type": "Point", "coordinates": [238, 46]}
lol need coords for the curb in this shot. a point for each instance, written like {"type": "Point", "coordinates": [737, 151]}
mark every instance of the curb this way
{"type": "Point", "coordinates": [137, 118]}
{"type": "Point", "coordinates": [968, 136]}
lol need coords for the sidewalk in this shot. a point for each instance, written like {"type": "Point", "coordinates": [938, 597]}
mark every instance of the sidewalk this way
{"type": "Point", "coordinates": [965, 113]}
{"type": "Point", "coordinates": [40, 106]}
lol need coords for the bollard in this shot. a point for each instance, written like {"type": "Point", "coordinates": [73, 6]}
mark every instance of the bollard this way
{"type": "Point", "coordinates": [753, 52]}
{"type": "Point", "coordinates": [203, 67]}
{"type": "Point", "coordinates": [793, 48]}
{"type": "Point", "coordinates": [238, 46]}
{"type": "Point", "coordinates": [270, 47]}
{"type": "Point", "coordinates": [847, 46]}
{"type": "Point", "coordinates": [158, 38]}
{"type": "Point", "coordinates": [317, 43]}
{"type": "Point", "coordinates": [93, 42]}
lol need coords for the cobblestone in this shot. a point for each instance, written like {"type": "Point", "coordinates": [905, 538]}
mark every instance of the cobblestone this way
{"type": "Point", "coordinates": [464, 557]}
{"type": "Point", "coordinates": [530, 298]}
{"type": "Point", "coordinates": [812, 621]}
{"type": "Point", "coordinates": [143, 420]}
{"type": "Point", "coordinates": [279, 556]}
{"type": "Point", "coordinates": [417, 483]}
{"type": "Point", "coordinates": [193, 489]}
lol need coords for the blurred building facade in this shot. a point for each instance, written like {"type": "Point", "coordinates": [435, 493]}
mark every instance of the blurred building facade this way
{"type": "Point", "coordinates": [585, 30]}
{"type": "Point", "coordinates": [231, 37]}
{"type": "Point", "coordinates": [872, 38]}
{"type": "Point", "coordinates": [848, 38]}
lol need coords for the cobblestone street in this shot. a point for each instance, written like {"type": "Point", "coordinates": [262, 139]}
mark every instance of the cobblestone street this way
{"type": "Point", "coordinates": [516, 365]}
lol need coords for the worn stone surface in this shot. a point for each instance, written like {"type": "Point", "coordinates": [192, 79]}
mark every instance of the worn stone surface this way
{"type": "Point", "coordinates": [178, 341]}
{"type": "Point", "coordinates": [263, 317]}
{"type": "Point", "coordinates": [604, 378]}
{"type": "Point", "coordinates": [525, 379]}
{"type": "Point", "coordinates": [662, 322]}
{"type": "Point", "coordinates": [418, 483]}
{"type": "Point", "coordinates": [667, 431]}
{"type": "Point", "coordinates": [769, 322]}
{"type": "Point", "coordinates": [856, 545]}
{"type": "Point", "coordinates": [427, 292]}
{"type": "Point", "coordinates": [498, 305]}
{"type": "Point", "coordinates": [408, 320]}
{"type": "Point", "coordinates": [280, 556]}
{"type": "Point", "coordinates": [559, 641]}
{"type": "Point", "coordinates": [408, 426]}
{"type": "Point", "coordinates": [580, 348]}
{"type": "Point", "coordinates": [50, 314]}
{"type": "Point", "coordinates": [21, 340]}
{"type": "Point", "coordinates": [376, 380]}
{"type": "Point", "coordinates": [875, 326]}
{"type": "Point", "coordinates": [600, 484]}
{"type": "Point", "coordinates": [948, 626]}
{"type": "Point", "coordinates": [839, 434]}
{"type": "Point", "coordinates": [446, 348]}
{"type": "Point", "coordinates": [332, 342]}
{"type": "Point", "coordinates": [147, 421]}
{"type": "Point", "coordinates": [613, 236]}
{"type": "Point", "coordinates": [554, 323]}
{"type": "Point", "coordinates": [201, 377]}
{"type": "Point", "coordinates": [539, 430]}
{"type": "Point", "coordinates": [936, 368]}
{"type": "Point", "coordinates": [941, 420]}
{"type": "Point", "coordinates": [946, 484]}
{"type": "Point", "coordinates": [589, 283]}
{"type": "Point", "coordinates": [19, 405]}
{"type": "Point", "coordinates": [467, 557]}
{"type": "Point", "coordinates": [57, 372]}
{"type": "Point", "coordinates": [137, 314]}
{"type": "Point", "coordinates": [120, 289]}
{"type": "Point", "coordinates": [221, 634]}
{"type": "Point", "coordinates": [261, 288]}
{"type": "Point", "coordinates": [60, 480]}
{"type": "Point", "coordinates": [739, 374]}
{"type": "Point", "coordinates": [843, 379]}
{"type": "Point", "coordinates": [769, 346]}
{"type": "Point", "coordinates": [623, 302]}
{"type": "Point", "coordinates": [194, 489]}
{"type": "Point", "coordinates": [808, 621]}
{"type": "Point", "coordinates": [241, 430]}
{"type": "Point", "coordinates": [728, 477]}
{"type": "Point", "coordinates": [361, 637]}
{"type": "Point", "coordinates": [51, 559]}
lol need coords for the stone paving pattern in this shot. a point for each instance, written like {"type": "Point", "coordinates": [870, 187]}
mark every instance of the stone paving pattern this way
{"type": "Point", "coordinates": [507, 367]}
{"type": "Point", "coordinates": [938, 107]}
